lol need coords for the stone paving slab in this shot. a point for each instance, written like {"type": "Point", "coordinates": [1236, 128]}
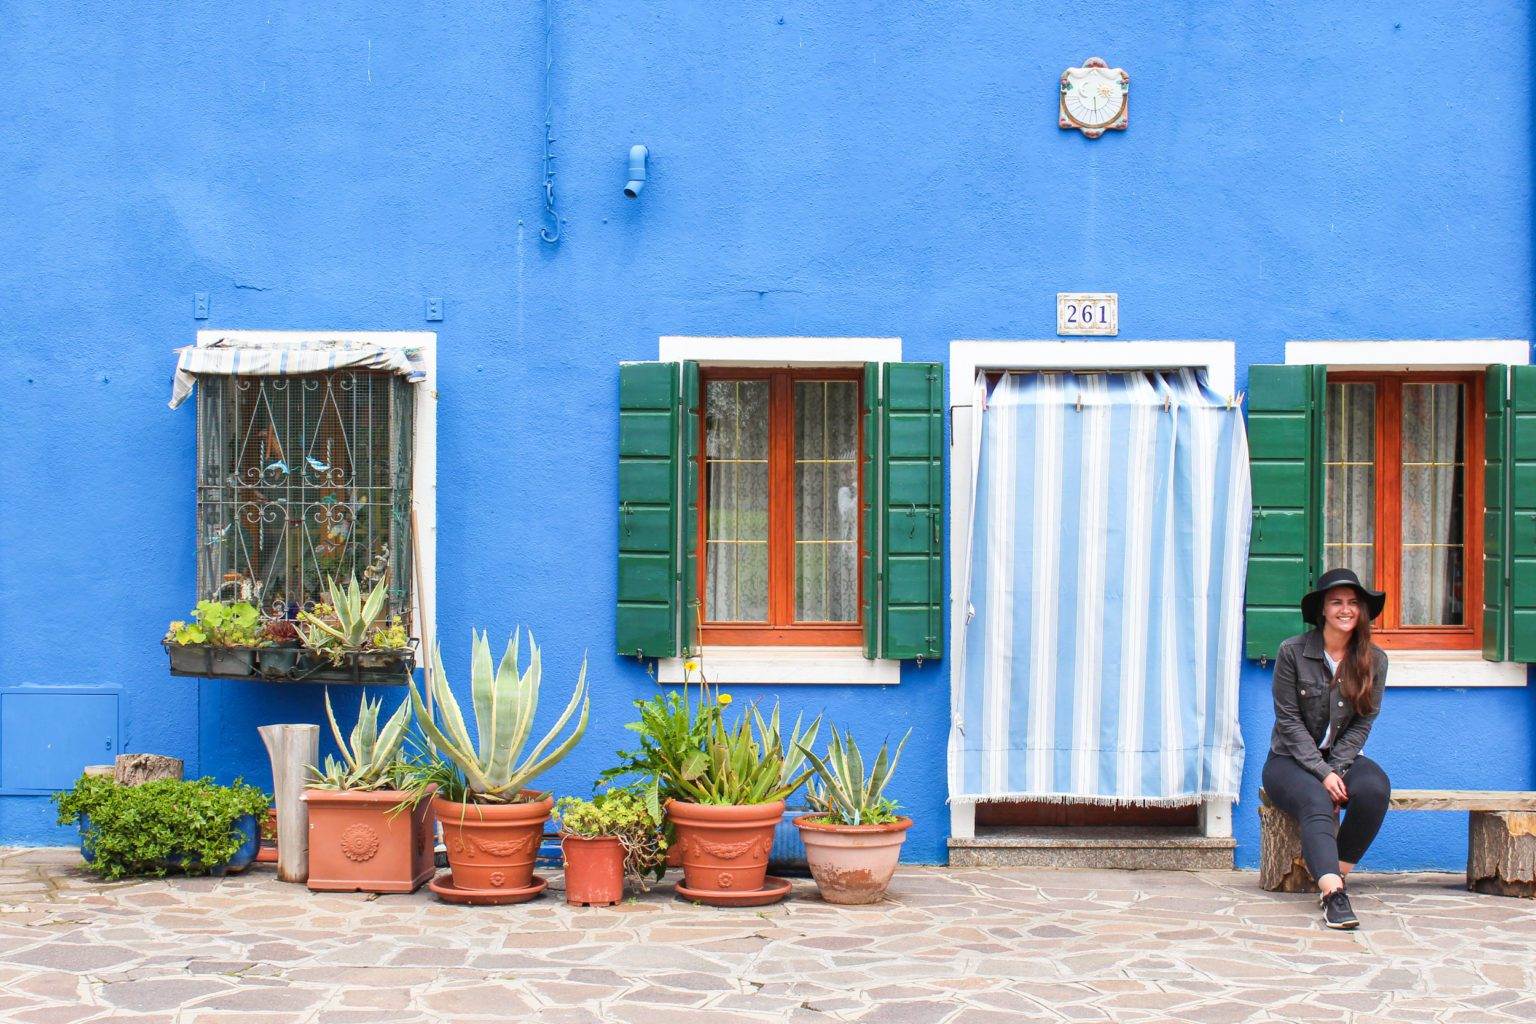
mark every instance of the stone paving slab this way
{"type": "Point", "coordinates": [951, 946]}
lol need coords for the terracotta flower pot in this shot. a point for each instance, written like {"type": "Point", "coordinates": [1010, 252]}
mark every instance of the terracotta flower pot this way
{"type": "Point", "coordinates": [493, 846]}
{"type": "Point", "coordinates": [852, 864]}
{"type": "Point", "coordinates": [724, 848]}
{"type": "Point", "coordinates": [356, 843]}
{"type": "Point", "coordinates": [594, 870]}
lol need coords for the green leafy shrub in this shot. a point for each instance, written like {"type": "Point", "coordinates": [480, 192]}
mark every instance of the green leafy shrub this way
{"type": "Point", "coordinates": [220, 624]}
{"type": "Point", "coordinates": [136, 830]}
{"type": "Point", "coordinates": [622, 814]}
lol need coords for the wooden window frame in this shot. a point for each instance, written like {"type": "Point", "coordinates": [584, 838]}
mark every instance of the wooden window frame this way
{"type": "Point", "coordinates": [780, 629]}
{"type": "Point", "coordinates": [1387, 632]}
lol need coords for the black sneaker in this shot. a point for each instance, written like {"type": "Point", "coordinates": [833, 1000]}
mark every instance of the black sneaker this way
{"type": "Point", "coordinates": [1337, 912]}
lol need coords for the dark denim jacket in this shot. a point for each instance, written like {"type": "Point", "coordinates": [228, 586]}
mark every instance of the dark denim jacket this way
{"type": "Point", "coordinates": [1305, 703]}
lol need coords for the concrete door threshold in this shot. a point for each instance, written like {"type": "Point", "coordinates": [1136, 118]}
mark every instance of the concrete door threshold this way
{"type": "Point", "coordinates": [1132, 848]}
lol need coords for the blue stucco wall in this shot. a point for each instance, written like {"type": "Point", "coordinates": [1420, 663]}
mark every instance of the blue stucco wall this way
{"type": "Point", "coordinates": [1305, 170]}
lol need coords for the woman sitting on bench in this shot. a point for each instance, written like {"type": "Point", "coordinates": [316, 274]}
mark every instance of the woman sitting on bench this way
{"type": "Point", "coordinates": [1328, 687]}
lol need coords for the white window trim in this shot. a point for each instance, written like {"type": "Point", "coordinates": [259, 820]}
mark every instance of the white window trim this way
{"type": "Point", "coordinates": [1454, 669]}
{"type": "Point", "coordinates": [780, 351]}
{"type": "Point", "coordinates": [424, 442]}
{"type": "Point", "coordinates": [739, 665]}
{"type": "Point", "coordinates": [1217, 358]}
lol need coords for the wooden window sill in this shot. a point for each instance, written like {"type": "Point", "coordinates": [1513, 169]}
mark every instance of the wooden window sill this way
{"type": "Point", "coordinates": [781, 665]}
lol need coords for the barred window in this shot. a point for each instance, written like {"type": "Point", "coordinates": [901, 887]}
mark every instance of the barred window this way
{"type": "Point", "coordinates": [301, 479]}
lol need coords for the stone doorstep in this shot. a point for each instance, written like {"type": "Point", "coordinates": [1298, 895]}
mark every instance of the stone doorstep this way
{"type": "Point", "coordinates": [1135, 849]}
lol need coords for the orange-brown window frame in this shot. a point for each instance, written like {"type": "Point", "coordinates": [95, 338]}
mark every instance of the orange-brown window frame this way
{"type": "Point", "coordinates": [1388, 631]}
{"type": "Point", "coordinates": [781, 627]}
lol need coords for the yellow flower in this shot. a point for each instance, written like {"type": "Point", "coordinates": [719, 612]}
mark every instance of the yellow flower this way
{"type": "Point", "coordinates": [724, 699]}
{"type": "Point", "coordinates": [691, 665]}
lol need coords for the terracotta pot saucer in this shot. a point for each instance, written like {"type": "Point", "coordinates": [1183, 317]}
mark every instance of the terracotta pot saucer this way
{"type": "Point", "coordinates": [446, 891]}
{"type": "Point", "coordinates": [773, 890]}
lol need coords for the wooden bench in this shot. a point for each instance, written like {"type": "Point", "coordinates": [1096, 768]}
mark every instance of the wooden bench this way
{"type": "Point", "coordinates": [1501, 840]}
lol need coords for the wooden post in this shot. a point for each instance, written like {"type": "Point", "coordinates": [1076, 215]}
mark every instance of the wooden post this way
{"type": "Point", "coordinates": [292, 749]}
{"type": "Point", "coordinates": [1281, 868]}
{"type": "Point", "coordinates": [137, 769]}
{"type": "Point", "coordinates": [1501, 853]}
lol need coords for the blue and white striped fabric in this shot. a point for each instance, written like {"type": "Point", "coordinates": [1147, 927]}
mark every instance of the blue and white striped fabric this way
{"type": "Point", "coordinates": [227, 357]}
{"type": "Point", "coordinates": [1109, 537]}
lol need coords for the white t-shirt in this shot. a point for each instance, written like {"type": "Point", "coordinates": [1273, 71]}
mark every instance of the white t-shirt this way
{"type": "Point", "coordinates": [1333, 673]}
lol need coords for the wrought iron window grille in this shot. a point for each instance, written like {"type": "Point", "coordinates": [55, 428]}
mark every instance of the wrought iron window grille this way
{"type": "Point", "coordinates": [302, 479]}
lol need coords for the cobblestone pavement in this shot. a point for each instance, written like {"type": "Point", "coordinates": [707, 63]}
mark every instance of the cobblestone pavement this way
{"type": "Point", "coordinates": [970, 946]}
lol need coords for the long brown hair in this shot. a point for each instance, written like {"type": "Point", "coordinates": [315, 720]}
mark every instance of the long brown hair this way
{"type": "Point", "coordinates": [1358, 669]}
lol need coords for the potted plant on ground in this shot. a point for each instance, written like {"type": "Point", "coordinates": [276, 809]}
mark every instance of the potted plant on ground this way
{"type": "Point", "coordinates": [220, 641]}
{"type": "Point", "coordinates": [194, 825]}
{"type": "Point", "coordinates": [344, 641]}
{"type": "Point", "coordinates": [853, 839]}
{"type": "Point", "coordinates": [605, 840]}
{"type": "Point", "coordinates": [492, 822]}
{"type": "Point", "coordinates": [730, 783]}
{"type": "Point", "coordinates": [670, 729]}
{"type": "Point", "coordinates": [366, 834]}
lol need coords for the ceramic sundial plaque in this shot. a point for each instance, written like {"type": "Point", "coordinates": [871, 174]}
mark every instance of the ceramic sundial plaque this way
{"type": "Point", "coordinates": [1095, 98]}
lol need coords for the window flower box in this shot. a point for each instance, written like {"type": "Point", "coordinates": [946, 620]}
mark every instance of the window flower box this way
{"type": "Point", "coordinates": [291, 664]}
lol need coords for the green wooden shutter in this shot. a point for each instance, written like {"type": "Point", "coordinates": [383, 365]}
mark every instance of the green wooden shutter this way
{"type": "Point", "coordinates": [1495, 508]}
{"type": "Point", "coordinates": [1285, 452]}
{"type": "Point", "coordinates": [692, 472]}
{"type": "Point", "coordinates": [870, 561]}
{"type": "Point", "coordinates": [650, 469]}
{"type": "Point", "coordinates": [909, 615]}
{"type": "Point", "coordinates": [1521, 466]}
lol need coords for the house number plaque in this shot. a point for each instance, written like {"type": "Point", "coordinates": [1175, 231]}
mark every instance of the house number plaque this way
{"type": "Point", "coordinates": [1088, 313]}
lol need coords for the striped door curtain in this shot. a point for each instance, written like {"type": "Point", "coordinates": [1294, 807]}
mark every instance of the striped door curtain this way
{"type": "Point", "coordinates": [1100, 656]}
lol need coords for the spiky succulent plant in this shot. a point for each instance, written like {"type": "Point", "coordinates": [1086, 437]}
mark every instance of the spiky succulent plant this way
{"type": "Point", "coordinates": [355, 614]}
{"type": "Point", "coordinates": [843, 792]}
{"type": "Point", "coordinates": [491, 763]}
{"type": "Point", "coordinates": [370, 756]}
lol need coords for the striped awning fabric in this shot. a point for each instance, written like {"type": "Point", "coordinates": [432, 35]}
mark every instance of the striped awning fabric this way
{"type": "Point", "coordinates": [229, 357]}
{"type": "Point", "coordinates": [1101, 658]}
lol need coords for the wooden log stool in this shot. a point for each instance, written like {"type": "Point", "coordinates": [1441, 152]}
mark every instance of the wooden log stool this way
{"type": "Point", "coordinates": [1501, 840]}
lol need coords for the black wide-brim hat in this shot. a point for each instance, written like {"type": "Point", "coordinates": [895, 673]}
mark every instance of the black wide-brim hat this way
{"type": "Point", "coordinates": [1312, 604]}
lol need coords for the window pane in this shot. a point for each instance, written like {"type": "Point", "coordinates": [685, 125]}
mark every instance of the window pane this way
{"type": "Point", "coordinates": [736, 516]}
{"type": "Point", "coordinates": [1349, 521]}
{"type": "Point", "coordinates": [1434, 476]}
{"type": "Point", "coordinates": [826, 501]}
{"type": "Point", "coordinates": [300, 480]}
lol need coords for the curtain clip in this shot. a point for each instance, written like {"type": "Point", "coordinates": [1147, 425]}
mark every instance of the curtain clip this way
{"type": "Point", "coordinates": [1079, 405]}
{"type": "Point", "coordinates": [1167, 403]}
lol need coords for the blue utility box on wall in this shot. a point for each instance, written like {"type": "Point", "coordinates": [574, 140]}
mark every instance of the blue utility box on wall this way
{"type": "Point", "coordinates": [48, 734]}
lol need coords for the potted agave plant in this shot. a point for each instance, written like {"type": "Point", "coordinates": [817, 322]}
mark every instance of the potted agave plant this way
{"type": "Point", "coordinates": [729, 782]}
{"type": "Point", "coordinates": [853, 839]}
{"type": "Point", "coordinates": [365, 833]}
{"type": "Point", "coordinates": [345, 641]}
{"type": "Point", "coordinates": [605, 840]}
{"type": "Point", "coordinates": [492, 822]}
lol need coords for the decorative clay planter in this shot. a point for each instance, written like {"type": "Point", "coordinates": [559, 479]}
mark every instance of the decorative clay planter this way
{"type": "Point", "coordinates": [493, 846]}
{"type": "Point", "coordinates": [852, 864]}
{"type": "Point", "coordinates": [594, 870]}
{"type": "Point", "coordinates": [724, 849]}
{"type": "Point", "coordinates": [358, 843]}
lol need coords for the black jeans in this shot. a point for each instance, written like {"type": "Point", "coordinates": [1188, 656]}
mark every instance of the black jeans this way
{"type": "Point", "coordinates": [1324, 842]}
